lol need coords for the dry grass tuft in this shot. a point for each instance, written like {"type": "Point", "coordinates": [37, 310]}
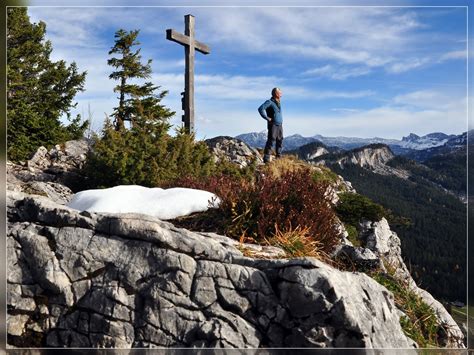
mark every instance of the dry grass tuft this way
{"type": "Point", "coordinates": [297, 242]}
{"type": "Point", "coordinates": [283, 165]}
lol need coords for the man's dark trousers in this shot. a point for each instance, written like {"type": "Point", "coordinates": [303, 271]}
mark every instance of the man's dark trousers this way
{"type": "Point", "coordinates": [275, 134]}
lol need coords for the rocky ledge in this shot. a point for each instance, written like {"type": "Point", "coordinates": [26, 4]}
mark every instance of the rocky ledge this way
{"type": "Point", "coordinates": [103, 280]}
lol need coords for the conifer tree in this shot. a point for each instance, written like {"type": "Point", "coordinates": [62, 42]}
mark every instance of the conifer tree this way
{"type": "Point", "coordinates": [128, 66]}
{"type": "Point", "coordinates": [39, 91]}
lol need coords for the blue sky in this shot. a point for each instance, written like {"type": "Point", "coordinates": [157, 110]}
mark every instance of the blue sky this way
{"type": "Point", "coordinates": [344, 71]}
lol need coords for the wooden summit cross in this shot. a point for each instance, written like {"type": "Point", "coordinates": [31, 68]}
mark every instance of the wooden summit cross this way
{"type": "Point", "coordinates": [190, 45]}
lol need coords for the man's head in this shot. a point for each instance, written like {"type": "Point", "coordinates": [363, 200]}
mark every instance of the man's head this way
{"type": "Point", "coordinates": [276, 93]}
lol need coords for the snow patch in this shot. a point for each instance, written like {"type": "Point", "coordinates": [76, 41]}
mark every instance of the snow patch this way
{"type": "Point", "coordinates": [161, 203]}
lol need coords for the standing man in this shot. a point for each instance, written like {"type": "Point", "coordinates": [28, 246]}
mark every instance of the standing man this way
{"type": "Point", "coordinates": [270, 110]}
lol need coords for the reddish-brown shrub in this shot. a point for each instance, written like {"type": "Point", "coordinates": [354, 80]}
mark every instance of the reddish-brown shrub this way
{"type": "Point", "coordinates": [295, 200]}
{"type": "Point", "coordinates": [257, 210]}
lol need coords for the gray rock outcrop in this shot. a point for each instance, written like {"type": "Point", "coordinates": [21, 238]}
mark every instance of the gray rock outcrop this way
{"type": "Point", "coordinates": [381, 249]}
{"type": "Point", "coordinates": [233, 150]}
{"type": "Point", "coordinates": [53, 173]}
{"type": "Point", "coordinates": [108, 280]}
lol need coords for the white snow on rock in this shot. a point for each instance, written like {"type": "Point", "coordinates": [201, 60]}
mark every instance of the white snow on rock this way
{"type": "Point", "coordinates": [161, 203]}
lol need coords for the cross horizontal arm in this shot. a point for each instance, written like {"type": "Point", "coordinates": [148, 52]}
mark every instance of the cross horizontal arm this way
{"type": "Point", "coordinates": [201, 47]}
{"type": "Point", "coordinates": [175, 36]}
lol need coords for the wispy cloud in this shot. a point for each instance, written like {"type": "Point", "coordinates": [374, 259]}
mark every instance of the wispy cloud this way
{"type": "Point", "coordinates": [431, 99]}
{"type": "Point", "coordinates": [375, 122]}
{"type": "Point", "coordinates": [406, 65]}
{"type": "Point", "coordinates": [453, 55]}
{"type": "Point", "coordinates": [374, 37]}
{"type": "Point", "coordinates": [383, 121]}
{"type": "Point", "coordinates": [338, 73]}
{"type": "Point", "coordinates": [345, 110]}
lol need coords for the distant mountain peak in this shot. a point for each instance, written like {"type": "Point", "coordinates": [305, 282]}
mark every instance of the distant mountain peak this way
{"type": "Point", "coordinates": [411, 137]}
{"type": "Point", "coordinates": [438, 135]}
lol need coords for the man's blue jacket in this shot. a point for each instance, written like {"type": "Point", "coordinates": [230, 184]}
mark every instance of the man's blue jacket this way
{"type": "Point", "coordinates": [271, 110]}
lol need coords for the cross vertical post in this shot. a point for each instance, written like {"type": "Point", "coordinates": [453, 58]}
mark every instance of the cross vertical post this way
{"type": "Point", "coordinates": [190, 45]}
{"type": "Point", "coordinates": [189, 74]}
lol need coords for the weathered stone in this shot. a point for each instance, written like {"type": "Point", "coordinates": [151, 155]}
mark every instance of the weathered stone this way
{"type": "Point", "coordinates": [387, 246]}
{"type": "Point", "coordinates": [233, 150]}
{"type": "Point", "coordinates": [111, 280]}
{"type": "Point", "coordinates": [52, 173]}
{"type": "Point", "coordinates": [80, 288]}
{"type": "Point", "coordinates": [16, 324]}
{"type": "Point", "coordinates": [44, 264]}
{"type": "Point", "coordinates": [359, 257]}
{"type": "Point", "coordinates": [39, 159]}
{"type": "Point", "coordinates": [56, 192]}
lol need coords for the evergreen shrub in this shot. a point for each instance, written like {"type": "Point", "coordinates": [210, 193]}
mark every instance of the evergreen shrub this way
{"type": "Point", "coordinates": [352, 208]}
{"type": "Point", "coordinates": [145, 155]}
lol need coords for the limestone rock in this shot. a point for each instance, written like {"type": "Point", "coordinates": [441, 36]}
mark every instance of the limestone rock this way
{"type": "Point", "coordinates": [233, 150]}
{"type": "Point", "coordinates": [386, 244]}
{"type": "Point", "coordinates": [361, 258]}
{"type": "Point", "coordinates": [111, 280]}
{"type": "Point", "coordinates": [379, 238]}
{"type": "Point", "coordinates": [373, 157]}
{"type": "Point", "coordinates": [52, 173]}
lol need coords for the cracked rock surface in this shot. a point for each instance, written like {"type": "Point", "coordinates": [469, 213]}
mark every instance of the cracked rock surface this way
{"type": "Point", "coordinates": [126, 280]}
{"type": "Point", "coordinates": [381, 249]}
{"type": "Point", "coordinates": [233, 150]}
{"type": "Point", "coordinates": [54, 173]}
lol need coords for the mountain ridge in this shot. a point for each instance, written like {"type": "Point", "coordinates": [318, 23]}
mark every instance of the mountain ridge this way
{"type": "Point", "coordinates": [413, 146]}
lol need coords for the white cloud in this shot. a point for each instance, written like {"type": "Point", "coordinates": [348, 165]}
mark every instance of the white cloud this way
{"type": "Point", "coordinates": [338, 73]}
{"type": "Point", "coordinates": [361, 36]}
{"type": "Point", "coordinates": [240, 87]}
{"type": "Point", "coordinates": [387, 122]}
{"type": "Point", "coordinates": [71, 27]}
{"type": "Point", "coordinates": [431, 99]}
{"type": "Point", "coordinates": [353, 41]}
{"type": "Point", "coordinates": [406, 65]}
{"type": "Point", "coordinates": [453, 55]}
{"type": "Point", "coordinates": [374, 37]}
{"type": "Point", "coordinates": [345, 110]}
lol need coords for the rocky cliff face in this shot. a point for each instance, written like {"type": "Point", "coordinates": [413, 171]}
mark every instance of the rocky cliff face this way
{"type": "Point", "coordinates": [371, 157]}
{"type": "Point", "coordinates": [380, 249]}
{"type": "Point", "coordinates": [80, 279]}
{"type": "Point", "coordinates": [87, 280]}
{"type": "Point", "coordinates": [368, 157]}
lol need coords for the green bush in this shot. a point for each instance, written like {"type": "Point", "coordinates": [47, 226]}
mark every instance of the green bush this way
{"type": "Point", "coordinates": [145, 155]}
{"type": "Point", "coordinates": [352, 208]}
